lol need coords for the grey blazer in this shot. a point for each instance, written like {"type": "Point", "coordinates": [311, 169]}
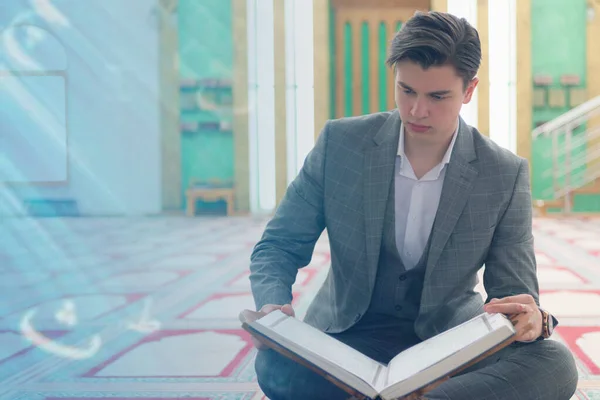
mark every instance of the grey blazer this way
{"type": "Point", "coordinates": [484, 217]}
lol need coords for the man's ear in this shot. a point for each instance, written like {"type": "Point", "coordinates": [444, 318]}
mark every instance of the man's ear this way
{"type": "Point", "coordinates": [470, 89]}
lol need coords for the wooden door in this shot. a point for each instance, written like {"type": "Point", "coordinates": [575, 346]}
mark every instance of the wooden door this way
{"type": "Point", "coordinates": [363, 30]}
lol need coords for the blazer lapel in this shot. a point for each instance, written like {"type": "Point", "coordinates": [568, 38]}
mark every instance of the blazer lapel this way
{"type": "Point", "coordinates": [458, 182]}
{"type": "Point", "coordinates": [380, 157]}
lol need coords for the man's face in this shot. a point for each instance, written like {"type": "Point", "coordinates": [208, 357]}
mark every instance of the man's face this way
{"type": "Point", "coordinates": [430, 100]}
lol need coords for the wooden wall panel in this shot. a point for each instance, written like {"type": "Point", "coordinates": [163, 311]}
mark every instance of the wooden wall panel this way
{"type": "Point", "coordinates": [483, 88]}
{"type": "Point", "coordinates": [240, 106]}
{"type": "Point", "coordinates": [593, 72]}
{"type": "Point", "coordinates": [524, 80]}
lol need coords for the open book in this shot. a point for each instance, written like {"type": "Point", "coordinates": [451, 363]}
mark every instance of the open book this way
{"type": "Point", "coordinates": [413, 369]}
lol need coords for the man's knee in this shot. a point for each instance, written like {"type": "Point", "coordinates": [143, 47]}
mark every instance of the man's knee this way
{"type": "Point", "coordinates": [543, 370]}
{"type": "Point", "coordinates": [561, 368]}
{"type": "Point", "coordinates": [281, 378]}
{"type": "Point", "coordinates": [271, 374]}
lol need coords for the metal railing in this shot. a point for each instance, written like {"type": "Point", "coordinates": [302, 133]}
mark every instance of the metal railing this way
{"type": "Point", "coordinates": [575, 158]}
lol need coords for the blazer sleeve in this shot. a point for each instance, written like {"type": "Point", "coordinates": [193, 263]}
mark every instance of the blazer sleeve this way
{"type": "Point", "coordinates": [288, 241]}
{"type": "Point", "coordinates": [510, 265]}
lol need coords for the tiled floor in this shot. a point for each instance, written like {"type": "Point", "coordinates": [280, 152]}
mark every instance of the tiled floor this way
{"type": "Point", "coordinates": [147, 308]}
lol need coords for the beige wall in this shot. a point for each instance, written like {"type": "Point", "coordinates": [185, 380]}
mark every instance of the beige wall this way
{"type": "Point", "coordinates": [483, 95]}
{"type": "Point", "coordinates": [439, 5]}
{"type": "Point", "coordinates": [240, 107]}
{"type": "Point", "coordinates": [280, 104]}
{"type": "Point", "coordinates": [169, 109]}
{"type": "Point", "coordinates": [524, 80]}
{"type": "Point", "coordinates": [322, 63]}
{"type": "Point", "coordinates": [593, 68]}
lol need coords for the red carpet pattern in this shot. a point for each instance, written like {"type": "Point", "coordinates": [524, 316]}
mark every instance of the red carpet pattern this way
{"type": "Point", "coordinates": [146, 308]}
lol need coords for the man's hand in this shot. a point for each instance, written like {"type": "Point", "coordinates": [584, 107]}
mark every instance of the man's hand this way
{"type": "Point", "coordinates": [523, 312]}
{"type": "Point", "coordinates": [250, 316]}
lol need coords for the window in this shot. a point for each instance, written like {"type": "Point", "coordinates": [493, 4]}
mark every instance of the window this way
{"type": "Point", "coordinates": [261, 105]}
{"type": "Point", "coordinates": [299, 82]}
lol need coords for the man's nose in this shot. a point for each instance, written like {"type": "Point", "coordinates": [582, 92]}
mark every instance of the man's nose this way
{"type": "Point", "coordinates": [419, 109]}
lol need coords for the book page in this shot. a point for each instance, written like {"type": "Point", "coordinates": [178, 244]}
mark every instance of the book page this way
{"type": "Point", "coordinates": [317, 342]}
{"type": "Point", "coordinates": [435, 349]}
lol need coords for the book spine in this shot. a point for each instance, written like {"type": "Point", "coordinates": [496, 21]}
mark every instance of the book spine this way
{"type": "Point", "coordinates": [376, 379]}
{"type": "Point", "coordinates": [486, 321]}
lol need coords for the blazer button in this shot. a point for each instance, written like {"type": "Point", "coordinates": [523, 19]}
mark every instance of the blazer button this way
{"type": "Point", "coordinates": [402, 277]}
{"type": "Point", "coordinates": [398, 307]}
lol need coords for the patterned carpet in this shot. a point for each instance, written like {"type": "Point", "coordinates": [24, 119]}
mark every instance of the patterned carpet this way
{"type": "Point", "coordinates": [147, 308]}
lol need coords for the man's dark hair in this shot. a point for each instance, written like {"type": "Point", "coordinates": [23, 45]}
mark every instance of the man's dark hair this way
{"type": "Point", "coordinates": [436, 39]}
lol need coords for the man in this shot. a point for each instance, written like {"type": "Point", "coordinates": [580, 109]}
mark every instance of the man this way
{"type": "Point", "coordinates": [415, 202]}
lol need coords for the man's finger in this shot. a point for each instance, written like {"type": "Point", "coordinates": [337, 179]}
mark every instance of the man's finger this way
{"type": "Point", "coordinates": [267, 308]}
{"type": "Point", "coordinates": [518, 298]}
{"type": "Point", "coordinates": [250, 316]}
{"type": "Point", "coordinates": [512, 308]}
{"type": "Point", "coordinates": [524, 335]}
{"type": "Point", "coordinates": [287, 309]}
{"type": "Point", "coordinates": [518, 324]}
{"type": "Point", "coordinates": [524, 328]}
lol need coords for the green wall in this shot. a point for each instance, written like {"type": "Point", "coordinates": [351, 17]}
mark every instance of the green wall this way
{"type": "Point", "coordinates": [206, 52]}
{"type": "Point", "coordinates": [558, 42]}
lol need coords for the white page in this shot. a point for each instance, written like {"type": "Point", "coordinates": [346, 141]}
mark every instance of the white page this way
{"type": "Point", "coordinates": [429, 352]}
{"type": "Point", "coordinates": [322, 344]}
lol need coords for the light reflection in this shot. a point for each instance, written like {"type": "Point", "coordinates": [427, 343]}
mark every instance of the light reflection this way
{"type": "Point", "coordinates": [51, 346]}
{"type": "Point", "coordinates": [50, 13]}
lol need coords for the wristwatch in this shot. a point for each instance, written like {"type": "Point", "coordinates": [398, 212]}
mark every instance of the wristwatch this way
{"type": "Point", "coordinates": [548, 324]}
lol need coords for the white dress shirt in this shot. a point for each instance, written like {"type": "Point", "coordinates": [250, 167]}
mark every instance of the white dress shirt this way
{"type": "Point", "coordinates": [416, 203]}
